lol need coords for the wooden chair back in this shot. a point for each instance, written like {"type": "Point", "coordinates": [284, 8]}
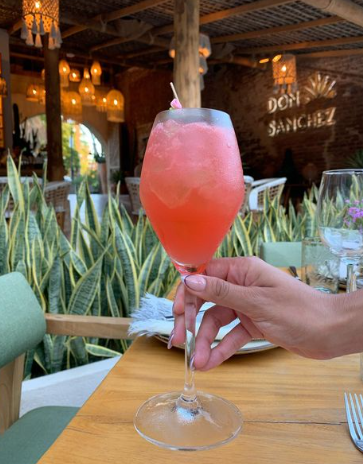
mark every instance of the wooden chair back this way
{"type": "Point", "coordinates": [248, 181]}
{"type": "Point", "coordinates": [11, 375]}
{"type": "Point", "coordinates": [133, 186]}
{"type": "Point", "coordinates": [274, 188]}
{"type": "Point", "coordinates": [56, 194]}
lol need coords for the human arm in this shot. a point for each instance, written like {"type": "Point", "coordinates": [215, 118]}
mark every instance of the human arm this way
{"type": "Point", "coordinates": [269, 304]}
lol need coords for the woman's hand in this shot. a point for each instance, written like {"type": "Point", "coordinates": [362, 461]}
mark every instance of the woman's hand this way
{"type": "Point", "coordinates": [269, 304]}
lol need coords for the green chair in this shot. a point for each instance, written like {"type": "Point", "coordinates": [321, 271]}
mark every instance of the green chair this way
{"type": "Point", "coordinates": [281, 254]}
{"type": "Point", "coordinates": [22, 326]}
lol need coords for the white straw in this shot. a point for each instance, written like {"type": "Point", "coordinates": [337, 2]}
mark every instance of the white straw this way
{"type": "Point", "coordinates": [174, 91]}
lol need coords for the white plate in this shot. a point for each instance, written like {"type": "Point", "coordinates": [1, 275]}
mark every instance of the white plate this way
{"type": "Point", "coordinates": [252, 347]}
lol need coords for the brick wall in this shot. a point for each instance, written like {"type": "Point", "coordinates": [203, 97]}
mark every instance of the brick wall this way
{"type": "Point", "coordinates": [244, 93]}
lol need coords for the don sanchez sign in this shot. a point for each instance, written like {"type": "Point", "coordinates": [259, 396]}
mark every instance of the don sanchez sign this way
{"type": "Point", "coordinates": [318, 87]}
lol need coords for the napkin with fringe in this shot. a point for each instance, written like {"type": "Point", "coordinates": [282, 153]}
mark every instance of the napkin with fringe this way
{"type": "Point", "coordinates": [155, 317]}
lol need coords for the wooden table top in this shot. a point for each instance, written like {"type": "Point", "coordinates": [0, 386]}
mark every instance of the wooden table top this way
{"type": "Point", "coordinates": [292, 407]}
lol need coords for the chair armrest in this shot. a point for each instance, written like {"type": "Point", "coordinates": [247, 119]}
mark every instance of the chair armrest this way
{"type": "Point", "coordinates": [88, 326]}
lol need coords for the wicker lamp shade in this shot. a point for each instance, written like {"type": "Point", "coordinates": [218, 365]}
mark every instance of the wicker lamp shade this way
{"type": "Point", "coordinates": [72, 106]}
{"type": "Point", "coordinates": [41, 17]}
{"type": "Point", "coordinates": [86, 74]}
{"type": "Point", "coordinates": [115, 106]}
{"type": "Point", "coordinates": [101, 103]}
{"type": "Point", "coordinates": [42, 94]}
{"type": "Point", "coordinates": [284, 73]}
{"type": "Point", "coordinates": [74, 75]}
{"type": "Point", "coordinates": [3, 87]}
{"type": "Point", "coordinates": [32, 93]}
{"type": "Point", "coordinates": [96, 72]}
{"type": "Point", "coordinates": [64, 71]}
{"type": "Point", "coordinates": [87, 92]}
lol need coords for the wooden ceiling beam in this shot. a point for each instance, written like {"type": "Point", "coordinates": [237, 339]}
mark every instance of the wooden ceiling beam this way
{"type": "Point", "coordinates": [301, 45]}
{"type": "Point", "coordinates": [144, 51]}
{"type": "Point", "coordinates": [277, 30]}
{"type": "Point", "coordinates": [344, 8]}
{"type": "Point", "coordinates": [242, 9]}
{"type": "Point", "coordinates": [118, 14]}
{"type": "Point", "coordinates": [15, 27]}
{"type": "Point", "coordinates": [240, 60]}
{"type": "Point", "coordinates": [206, 19]}
{"type": "Point", "coordinates": [332, 53]}
{"type": "Point", "coordinates": [109, 29]}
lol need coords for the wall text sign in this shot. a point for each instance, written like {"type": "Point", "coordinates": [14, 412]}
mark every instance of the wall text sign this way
{"type": "Point", "coordinates": [318, 88]}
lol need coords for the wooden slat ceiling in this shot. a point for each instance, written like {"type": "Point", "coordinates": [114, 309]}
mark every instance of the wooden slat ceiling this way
{"type": "Point", "coordinates": [252, 30]}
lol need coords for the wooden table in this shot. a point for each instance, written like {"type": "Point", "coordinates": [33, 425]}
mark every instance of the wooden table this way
{"type": "Point", "coordinates": [292, 407]}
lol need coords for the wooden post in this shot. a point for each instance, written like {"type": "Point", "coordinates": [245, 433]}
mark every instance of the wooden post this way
{"type": "Point", "coordinates": [11, 377]}
{"type": "Point", "coordinates": [186, 63]}
{"type": "Point", "coordinates": [53, 113]}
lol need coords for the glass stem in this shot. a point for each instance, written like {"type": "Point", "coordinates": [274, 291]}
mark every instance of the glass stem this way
{"type": "Point", "coordinates": [189, 392]}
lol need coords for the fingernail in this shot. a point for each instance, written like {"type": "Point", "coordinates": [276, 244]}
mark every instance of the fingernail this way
{"type": "Point", "coordinates": [195, 282]}
{"type": "Point", "coordinates": [170, 342]}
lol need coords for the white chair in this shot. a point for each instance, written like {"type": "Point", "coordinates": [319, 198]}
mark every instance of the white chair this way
{"type": "Point", "coordinates": [248, 181]}
{"type": "Point", "coordinates": [274, 187]}
{"type": "Point", "coordinates": [133, 186]}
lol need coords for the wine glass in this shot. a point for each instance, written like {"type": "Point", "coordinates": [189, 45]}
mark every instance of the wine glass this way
{"type": "Point", "coordinates": [340, 219]}
{"type": "Point", "coordinates": [191, 189]}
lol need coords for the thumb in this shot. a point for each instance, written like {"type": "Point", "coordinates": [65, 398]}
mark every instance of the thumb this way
{"type": "Point", "coordinates": [222, 293]}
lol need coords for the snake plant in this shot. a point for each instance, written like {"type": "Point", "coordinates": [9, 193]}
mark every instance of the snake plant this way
{"type": "Point", "coordinates": [104, 268]}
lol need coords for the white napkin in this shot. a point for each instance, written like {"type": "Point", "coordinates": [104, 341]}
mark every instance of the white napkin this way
{"type": "Point", "coordinates": [150, 319]}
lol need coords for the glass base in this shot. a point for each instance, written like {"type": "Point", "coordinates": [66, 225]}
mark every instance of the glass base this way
{"type": "Point", "coordinates": [171, 422]}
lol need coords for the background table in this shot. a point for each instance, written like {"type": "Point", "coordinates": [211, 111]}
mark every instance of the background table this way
{"type": "Point", "coordinates": [293, 410]}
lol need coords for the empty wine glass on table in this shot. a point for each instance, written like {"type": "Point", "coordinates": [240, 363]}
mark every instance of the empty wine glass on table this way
{"type": "Point", "coordinates": [340, 219]}
{"type": "Point", "coordinates": [191, 190]}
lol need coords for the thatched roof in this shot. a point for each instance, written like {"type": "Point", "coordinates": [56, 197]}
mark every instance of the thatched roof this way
{"type": "Point", "coordinates": [303, 38]}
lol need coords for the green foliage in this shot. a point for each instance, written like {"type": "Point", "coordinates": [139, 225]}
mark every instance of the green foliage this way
{"type": "Point", "coordinates": [100, 270]}
{"type": "Point", "coordinates": [104, 269]}
{"type": "Point", "coordinates": [273, 224]}
{"type": "Point", "coordinates": [355, 161]}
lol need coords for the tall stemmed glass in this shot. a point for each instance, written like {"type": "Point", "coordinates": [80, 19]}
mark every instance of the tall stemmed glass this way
{"type": "Point", "coordinates": [191, 189]}
{"type": "Point", "coordinates": [340, 219]}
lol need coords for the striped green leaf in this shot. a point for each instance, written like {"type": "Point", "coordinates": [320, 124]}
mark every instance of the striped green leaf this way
{"type": "Point", "coordinates": [85, 290]}
{"type": "Point", "coordinates": [101, 351]}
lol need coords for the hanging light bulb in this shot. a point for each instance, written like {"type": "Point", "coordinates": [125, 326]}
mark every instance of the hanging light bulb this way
{"type": "Point", "coordinates": [72, 106]}
{"type": "Point", "coordinates": [86, 74]}
{"type": "Point", "coordinates": [115, 106]}
{"type": "Point", "coordinates": [96, 72]}
{"type": "Point", "coordinates": [64, 71]}
{"type": "Point", "coordinates": [284, 73]}
{"type": "Point", "coordinates": [40, 17]}
{"type": "Point", "coordinates": [101, 103]}
{"type": "Point", "coordinates": [74, 75]}
{"type": "Point", "coordinates": [32, 93]}
{"type": "Point", "coordinates": [87, 91]}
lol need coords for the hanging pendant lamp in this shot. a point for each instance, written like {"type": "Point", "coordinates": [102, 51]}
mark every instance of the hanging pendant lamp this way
{"type": "Point", "coordinates": [41, 17]}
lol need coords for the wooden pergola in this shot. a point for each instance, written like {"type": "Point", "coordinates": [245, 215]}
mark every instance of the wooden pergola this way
{"type": "Point", "coordinates": [129, 33]}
